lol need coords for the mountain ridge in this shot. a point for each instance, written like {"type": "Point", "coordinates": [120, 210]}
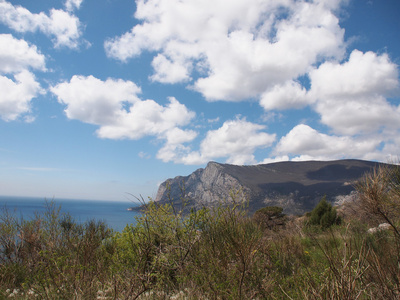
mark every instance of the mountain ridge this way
{"type": "Point", "coordinates": [295, 186]}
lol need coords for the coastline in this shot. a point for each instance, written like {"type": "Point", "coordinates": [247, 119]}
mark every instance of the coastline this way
{"type": "Point", "coordinates": [114, 213]}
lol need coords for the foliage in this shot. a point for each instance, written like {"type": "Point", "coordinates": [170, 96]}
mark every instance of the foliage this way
{"type": "Point", "coordinates": [269, 216]}
{"type": "Point", "coordinates": [323, 215]}
{"type": "Point", "coordinates": [379, 195]}
{"type": "Point", "coordinates": [52, 252]}
{"type": "Point", "coordinates": [206, 253]}
{"type": "Point", "coordinates": [271, 211]}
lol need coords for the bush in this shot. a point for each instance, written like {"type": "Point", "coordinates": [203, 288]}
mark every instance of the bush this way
{"type": "Point", "coordinates": [210, 253]}
{"type": "Point", "coordinates": [379, 195]}
{"type": "Point", "coordinates": [324, 215]}
{"type": "Point", "coordinates": [269, 217]}
{"type": "Point", "coordinates": [52, 255]}
{"type": "Point", "coordinates": [213, 251]}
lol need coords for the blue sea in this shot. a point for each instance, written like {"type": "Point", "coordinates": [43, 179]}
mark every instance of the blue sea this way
{"type": "Point", "coordinates": [114, 213]}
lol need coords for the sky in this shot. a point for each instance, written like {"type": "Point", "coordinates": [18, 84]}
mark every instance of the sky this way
{"type": "Point", "coordinates": [107, 99]}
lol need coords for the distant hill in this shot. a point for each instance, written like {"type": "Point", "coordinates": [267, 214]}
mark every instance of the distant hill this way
{"type": "Point", "coordinates": [295, 186]}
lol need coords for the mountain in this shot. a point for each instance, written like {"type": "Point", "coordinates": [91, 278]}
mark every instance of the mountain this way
{"type": "Point", "coordinates": [295, 186]}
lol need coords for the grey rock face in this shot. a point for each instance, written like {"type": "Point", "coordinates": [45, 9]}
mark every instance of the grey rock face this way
{"type": "Point", "coordinates": [295, 186]}
{"type": "Point", "coordinates": [203, 187]}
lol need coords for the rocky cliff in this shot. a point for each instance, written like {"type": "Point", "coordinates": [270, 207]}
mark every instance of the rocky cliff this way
{"type": "Point", "coordinates": [295, 186]}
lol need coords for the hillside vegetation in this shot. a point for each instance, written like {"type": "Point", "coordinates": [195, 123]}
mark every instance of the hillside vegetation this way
{"type": "Point", "coordinates": [212, 253]}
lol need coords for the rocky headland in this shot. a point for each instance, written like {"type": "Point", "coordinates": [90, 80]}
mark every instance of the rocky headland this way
{"type": "Point", "coordinates": [295, 186]}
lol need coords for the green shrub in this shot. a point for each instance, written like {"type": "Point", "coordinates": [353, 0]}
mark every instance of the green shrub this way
{"type": "Point", "coordinates": [52, 255]}
{"type": "Point", "coordinates": [209, 253]}
{"type": "Point", "coordinates": [323, 215]}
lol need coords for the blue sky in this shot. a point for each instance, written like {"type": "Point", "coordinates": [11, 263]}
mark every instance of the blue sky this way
{"type": "Point", "coordinates": [102, 99]}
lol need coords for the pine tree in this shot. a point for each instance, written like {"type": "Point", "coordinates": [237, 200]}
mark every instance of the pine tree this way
{"type": "Point", "coordinates": [324, 214]}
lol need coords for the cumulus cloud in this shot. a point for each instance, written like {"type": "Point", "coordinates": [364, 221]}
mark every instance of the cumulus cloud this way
{"type": "Point", "coordinates": [17, 55]}
{"type": "Point", "coordinates": [351, 97]}
{"type": "Point", "coordinates": [235, 140]}
{"type": "Point", "coordinates": [174, 148]}
{"type": "Point", "coordinates": [243, 48]}
{"type": "Point", "coordinates": [94, 101]}
{"type": "Point", "coordinates": [290, 95]}
{"type": "Point", "coordinates": [305, 143]}
{"type": "Point", "coordinates": [362, 75]}
{"type": "Point", "coordinates": [147, 118]}
{"type": "Point", "coordinates": [17, 94]}
{"type": "Point", "coordinates": [63, 27]}
{"type": "Point", "coordinates": [371, 114]}
{"type": "Point", "coordinates": [115, 107]}
{"type": "Point", "coordinates": [167, 71]}
{"type": "Point", "coordinates": [18, 84]}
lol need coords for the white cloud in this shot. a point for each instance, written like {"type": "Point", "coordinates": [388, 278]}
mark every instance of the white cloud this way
{"type": "Point", "coordinates": [179, 136]}
{"type": "Point", "coordinates": [390, 152]}
{"type": "Point", "coordinates": [17, 55]}
{"type": "Point", "coordinates": [306, 143]}
{"type": "Point", "coordinates": [244, 47]}
{"type": "Point", "coordinates": [144, 155]}
{"type": "Point", "coordinates": [174, 148]}
{"type": "Point", "coordinates": [16, 95]}
{"type": "Point", "coordinates": [167, 71]}
{"type": "Point", "coordinates": [94, 101]}
{"type": "Point", "coordinates": [364, 74]}
{"type": "Point", "coordinates": [364, 116]}
{"type": "Point", "coordinates": [351, 97]}
{"type": "Point", "coordinates": [215, 120]}
{"type": "Point", "coordinates": [20, 86]}
{"type": "Point", "coordinates": [289, 95]}
{"type": "Point", "coordinates": [71, 5]}
{"type": "Point", "coordinates": [147, 118]}
{"type": "Point", "coordinates": [275, 159]}
{"type": "Point", "coordinates": [114, 106]}
{"type": "Point", "coordinates": [263, 50]}
{"type": "Point", "coordinates": [235, 140]}
{"type": "Point", "coordinates": [63, 27]}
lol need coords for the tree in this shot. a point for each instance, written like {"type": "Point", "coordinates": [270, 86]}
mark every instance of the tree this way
{"type": "Point", "coordinates": [323, 215]}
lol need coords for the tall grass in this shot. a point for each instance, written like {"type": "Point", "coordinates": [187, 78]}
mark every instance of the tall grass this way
{"type": "Point", "coordinates": [211, 253]}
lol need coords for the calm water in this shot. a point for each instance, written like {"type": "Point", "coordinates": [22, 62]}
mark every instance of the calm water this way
{"type": "Point", "coordinates": [115, 214]}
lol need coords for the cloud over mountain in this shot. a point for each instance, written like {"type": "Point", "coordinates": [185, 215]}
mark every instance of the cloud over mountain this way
{"type": "Point", "coordinates": [285, 54]}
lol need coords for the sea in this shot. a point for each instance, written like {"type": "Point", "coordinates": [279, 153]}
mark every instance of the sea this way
{"type": "Point", "coordinates": [114, 213]}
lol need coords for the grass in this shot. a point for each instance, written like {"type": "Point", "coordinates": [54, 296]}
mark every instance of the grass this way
{"type": "Point", "coordinates": [211, 253]}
